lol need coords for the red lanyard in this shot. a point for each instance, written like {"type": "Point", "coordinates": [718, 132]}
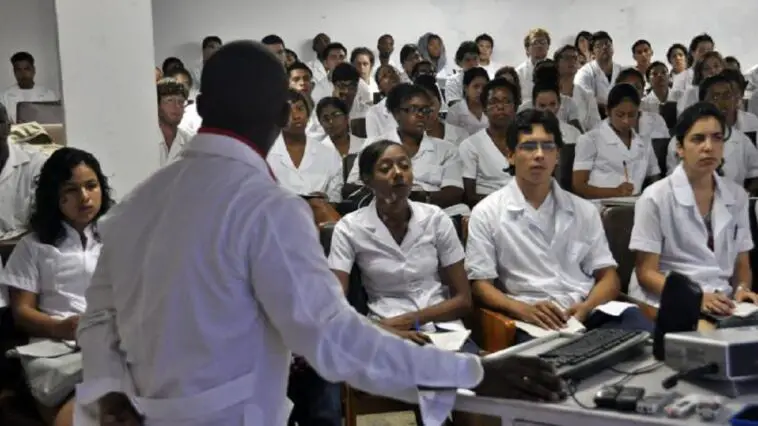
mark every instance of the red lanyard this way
{"type": "Point", "coordinates": [229, 133]}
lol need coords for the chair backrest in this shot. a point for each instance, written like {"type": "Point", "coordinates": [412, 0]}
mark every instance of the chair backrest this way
{"type": "Point", "coordinates": [41, 112]}
{"type": "Point", "coordinates": [358, 127]}
{"type": "Point", "coordinates": [565, 167]}
{"type": "Point", "coordinates": [751, 136]}
{"type": "Point", "coordinates": [618, 221]}
{"type": "Point", "coordinates": [668, 112]}
{"type": "Point", "coordinates": [661, 147]}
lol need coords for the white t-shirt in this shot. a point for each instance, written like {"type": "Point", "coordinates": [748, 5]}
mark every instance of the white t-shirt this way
{"type": "Point", "coordinates": [14, 94]}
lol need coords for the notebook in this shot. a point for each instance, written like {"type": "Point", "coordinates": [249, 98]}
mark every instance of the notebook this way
{"type": "Point", "coordinates": [449, 340]}
{"type": "Point", "coordinates": [573, 326]}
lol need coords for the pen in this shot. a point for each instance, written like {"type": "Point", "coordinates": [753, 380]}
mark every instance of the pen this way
{"type": "Point", "coordinates": [626, 172]}
{"type": "Point", "coordinates": [416, 325]}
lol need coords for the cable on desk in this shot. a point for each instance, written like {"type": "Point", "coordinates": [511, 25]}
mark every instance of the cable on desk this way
{"type": "Point", "coordinates": [641, 370]}
{"type": "Point", "coordinates": [628, 375]}
{"type": "Point", "coordinates": [572, 389]}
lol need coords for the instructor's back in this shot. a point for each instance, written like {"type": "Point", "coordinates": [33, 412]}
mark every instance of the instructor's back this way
{"type": "Point", "coordinates": [210, 274]}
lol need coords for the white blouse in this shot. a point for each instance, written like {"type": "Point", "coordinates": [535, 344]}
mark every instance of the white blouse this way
{"type": "Point", "coordinates": [483, 162]}
{"type": "Point", "coordinates": [320, 169]}
{"type": "Point", "coordinates": [459, 115]}
{"type": "Point", "coordinates": [59, 275]}
{"type": "Point", "coordinates": [17, 181]}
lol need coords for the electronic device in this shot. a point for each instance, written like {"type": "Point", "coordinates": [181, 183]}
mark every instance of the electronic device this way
{"type": "Point", "coordinates": [606, 396]}
{"type": "Point", "coordinates": [709, 408]}
{"type": "Point", "coordinates": [732, 321]}
{"type": "Point", "coordinates": [722, 354]}
{"type": "Point", "coordinates": [748, 416]}
{"type": "Point", "coordinates": [679, 310]}
{"type": "Point", "coordinates": [586, 355]}
{"type": "Point", "coordinates": [628, 398]}
{"type": "Point", "coordinates": [682, 407]}
{"type": "Point", "coordinates": [655, 402]}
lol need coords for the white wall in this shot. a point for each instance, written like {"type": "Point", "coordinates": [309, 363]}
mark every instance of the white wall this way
{"type": "Point", "coordinates": [180, 25]}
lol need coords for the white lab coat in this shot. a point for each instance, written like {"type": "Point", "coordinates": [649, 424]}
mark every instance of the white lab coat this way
{"type": "Point", "coordinates": [454, 87]}
{"type": "Point", "coordinates": [610, 162]}
{"type": "Point", "coordinates": [459, 115]}
{"type": "Point", "coordinates": [525, 72]}
{"type": "Point", "coordinates": [589, 114]}
{"type": "Point", "coordinates": [399, 278]}
{"type": "Point", "coordinates": [436, 165]}
{"type": "Point", "coordinates": [379, 120]}
{"type": "Point", "coordinates": [567, 111]}
{"type": "Point", "coordinates": [455, 134]}
{"type": "Point", "coordinates": [356, 144]}
{"type": "Point", "coordinates": [17, 184]}
{"type": "Point", "coordinates": [316, 131]}
{"type": "Point", "coordinates": [11, 97]}
{"type": "Point", "coordinates": [683, 80]}
{"type": "Point", "coordinates": [484, 163]}
{"type": "Point", "coordinates": [569, 133]}
{"type": "Point", "coordinates": [168, 155]}
{"type": "Point", "coordinates": [651, 103]}
{"type": "Point", "coordinates": [652, 126]}
{"type": "Point", "coordinates": [537, 255]}
{"type": "Point", "coordinates": [318, 70]}
{"type": "Point", "coordinates": [59, 275]}
{"type": "Point", "coordinates": [594, 80]}
{"type": "Point", "coordinates": [746, 122]}
{"type": "Point", "coordinates": [320, 169]}
{"type": "Point", "coordinates": [690, 97]}
{"type": "Point", "coordinates": [231, 277]}
{"type": "Point", "coordinates": [191, 121]}
{"type": "Point", "coordinates": [740, 157]}
{"type": "Point", "coordinates": [667, 223]}
{"type": "Point", "coordinates": [492, 68]}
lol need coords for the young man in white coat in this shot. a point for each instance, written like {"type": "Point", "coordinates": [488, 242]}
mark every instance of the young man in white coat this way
{"type": "Point", "coordinates": [199, 297]}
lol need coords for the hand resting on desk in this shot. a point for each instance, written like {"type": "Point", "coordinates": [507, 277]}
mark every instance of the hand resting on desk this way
{"type": "Point", "coordinates": [517, 377]}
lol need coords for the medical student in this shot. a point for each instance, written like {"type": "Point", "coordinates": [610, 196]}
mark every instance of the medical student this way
{"type": "Point", "coordinates": [677, 58]}
{"type": "Point", "coordinates": [276, 45]}
{"type": "Point", "coordinates": [51, 267]}
{"type": "Point", "coordinates": [424, 68]}
{"type": "Point", "coordinates": [247, 233]}
{"type": "Point", "coordinates": [650, 124]}
{"type": "Point", "coordinates": [598, 75]}
{"type": "Point", "coordinates": [436, 162]}
{"type": "Point", "coordinates": [567, 62]}
{"type": "Point", "coordinates": [545, 97]}
{"type": "Point", "coordinates": [210, 45]}
{"type": "Point", "coordinates": [172, 97]}
{"type": "Point", "coordinates": [436, 126]}
{"type": "Point", "coordinates": [317, 66]}
{"type": "Point", "coordinates": [536, 45]}
{"type": "Point", "coordinates": [745, 121]}
{"type": "Point", "coordinates": [699, 46]}
{"type": "Point", "coordinates": [510, 74]}
{"type": "Point", "coordinates": [303, 165]}
{"type": "Point", "coordinates": [486, 45]}
{"type": "Point", "coordinates": [469, 112]}
{"type": "Point", "coordinates": [25, 89]}
{"type": "Point", "coordinates": [362, 59]}
{"type": "Point", "coordinates": [290, 57]}
{"type": "Point", "coordinates": [409, 57]}
{"type": "Point", "coordinates": [740, 156]}
{"type": "Point", "coordinates": [185, 78]}
{"type": "Point", "coordinates": [466, 57]}
{"type": "Point", "coordinates": [19, 168]}
{"type": "Point", "coordinates": [660, 90]}
{"type": "Point", "coordinates": [484, 154]}
{"type": "Point", "coordinates": [613, 160]}
{"type": "Point", "coordinates": [333, 113]}
{"type": "Point", "coordinates": [345, 82]}
{"type": "Point", "coordinates": [642, 52]}
{"type": "Point", "coordinates": [533, 218]}
{"type": "Point", "coordinates": [695, 222]}
{"type": "Point", "coordinates": [385, 45]}
{"type": "Point", "coordinates": [582, 46]}
{"type": "Point", "coordinates": [710, 64]}
{"type": "Point", "coordinates": [333, 55]}
{"type": "Point", "coordinates": [379, 119]}
{"type": "Point", "coordinates": [301, 79]}
{"type": "Point", "coordinates": [432, 48]}
{"type": "Point", "coordinates": [546, 73]}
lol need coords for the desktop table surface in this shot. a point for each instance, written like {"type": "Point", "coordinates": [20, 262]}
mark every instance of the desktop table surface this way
{"type": "Point", "coordinates": [571, 413]}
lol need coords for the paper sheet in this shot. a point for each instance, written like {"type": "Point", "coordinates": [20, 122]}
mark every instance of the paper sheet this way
{"type": "Point", "coordinates": [573, 326]}
{"type": "Point", "coordinates": [615, 308]}
{"type": "Point", "coordinates": [744, 309]}
{"type": "Point", "coordinates": [449, 340]}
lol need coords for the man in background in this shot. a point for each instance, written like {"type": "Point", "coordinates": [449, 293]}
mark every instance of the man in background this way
{"type": "Point", "coordinates": [25, 89]}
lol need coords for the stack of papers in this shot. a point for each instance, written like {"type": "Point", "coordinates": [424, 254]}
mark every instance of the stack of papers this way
{"type": "Point", "coordinates": [744, 309]}
{"type": "Point", "coordinates": [573, 326]}
{"type": "Point", "coordinates": [449, 340]}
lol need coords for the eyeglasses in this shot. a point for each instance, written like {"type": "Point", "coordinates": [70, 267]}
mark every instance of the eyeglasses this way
{"type": "Point", "coordinates": [500, 103]}
{"type": "Point", "coordinates": [540, 42]}
{"type": "Point", "coordinates": [345, 85]}
{"type": "Point", "coordinates": [531, 146]}
{"type": "Point", "coordinates": [417, 110]}
{"type": "Point", "coordinates": [328, 118]}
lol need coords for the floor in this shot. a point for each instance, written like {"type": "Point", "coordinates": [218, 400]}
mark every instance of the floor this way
{"type": "Point", "coordinates": [391, 419]}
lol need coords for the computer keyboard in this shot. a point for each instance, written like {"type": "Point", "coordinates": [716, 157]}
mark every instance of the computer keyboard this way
{"type": "Point", "coordinates": [594, 351]}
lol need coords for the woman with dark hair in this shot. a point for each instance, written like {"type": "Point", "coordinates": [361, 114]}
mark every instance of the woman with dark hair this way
{"type": "Point", "coordinates": [378, 118]}
{"type": "Point", "coordinates": [469, 113]}
{"type": "Point", "coordinates": [711, 63]}
{"type": "Point", "coordinates": [582, 45]}
{"type": "Point", "coordinates": [51, 267]}
{"type": "Point", "coordinates": [333, 115]}
{"type": "Point", "coordinates": [436, 126]}
{"type": "Point", "coordinates": [677, 58]}
{"type": "Point", "coordinates": [612, 160]}
{"type": "Point", "coordinates": [702, 217]}
{"type": "Point", "coordinates": [436, 162]}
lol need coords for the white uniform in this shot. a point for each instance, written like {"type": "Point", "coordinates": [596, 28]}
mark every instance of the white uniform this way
{"type": "Point", "coordinates": [379, 120]}
{"type": "Point", "coordinates": [318, 70]}
{"type": "Point", "coordinates": [201, 332]}
{"type": "Point", "coordinates": [589, 114]}
{"type": "Point", "coordinates": [320, 169]}
{"type": "Point", "coordinates": [651, 126]}
{"type": "Point", "coordinates": [611, 163]}
{"type": "Point", "coordinates": [11, 97]}
{"type": "Point", "coordinates": [59, 274]}
{"type": "Point", "coordinates": [593, 79]}
{"type": "Point", "coordinates": [399, 278]}
{"type": "Point", "coordinates": [667, 223]}
{"type": "Point", "coordinates": [569, 133]}
{"type": "Point", "coordinates": [567, 111]}
{"type": "Point", "coordinates": [191, 121]}
{"type": "Point", "coordinates": [356, 144]}
{"type": "Point", "coordinates": [533, 255]}
{"type": "Point", "coordinates": [525, 72]}
{"type": "Point", "coordinates": [690, 97]}
{"type": "Point", "coordinates": [740, 157]}
{"type": "Point", "coordinates": [683, 80]}
{"type": "Point", "coordinates": [484, 163]}
{"type": "Point", "coordinates": [454, 87]}
{"type": "Point", "coordinates": [168, 155]}
{"type": "Point", "coordinates": [316, 131]}
{"type": "Point", "coordinates": [459, 115]}
{"type": "Point", "coordinates": [436, 165]}
{"type": "Point", "coordinates": [17, 184]}
{"type": "Point", "coordinates": [651, 103]}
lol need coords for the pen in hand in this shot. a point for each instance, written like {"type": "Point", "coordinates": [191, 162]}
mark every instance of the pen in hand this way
{"type": "Point", "coordinates": [626, 172]}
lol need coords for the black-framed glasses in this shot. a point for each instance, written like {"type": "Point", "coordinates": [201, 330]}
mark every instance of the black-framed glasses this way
{"type": "Point", "coordinates": [417, 110]}
{"type": "Point", "coordinates": [531, 146]}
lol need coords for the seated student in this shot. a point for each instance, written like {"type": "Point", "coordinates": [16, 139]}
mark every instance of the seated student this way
{"type": "Point", "coordinates": [362, 58]}
{"type": "Point", "coordinates": [184, 77]}
{"type": "Point", "coordinates": [546, 73]}
{"type": "Point", "coordinates": [301, 164]}
{"type": "Point", "coordinates": [598, 75]}
{"type": "Point", "coordinates": [510, 74]}
{"type": "Point", "coordinates": [740, 156]}
{"type": "Point", "coordinates": [172, 97]}
{"type": "Point", "coordinates": [694, 221]}
{"type": "Point", "coordinates": [466, 57]}
{"type": "Point", "coordinates": [26, 88]}
{"type": "Point", "coordinates": [424, 68]}
{"type": "Point", "coordinates": [19, 168]}
{"type": "Point", "coordinates": [546, 97]}
{"type": "Point", "coordinates": [51, 267]}
{"type": "Point", "coordinates": [536, 252]}
{"type": "Point", "coordinates": [332, 55]}
{"type": "Point", "coordinates": [746, 122]}
{"type": "Point", "coordinates": [566, 60]}
{"type": "Point", "coordinates": [709, 65]}
{"type": "Point", "coordinates": [469, 113]}
{"type": "Point", "coordinates": [379, 120]}
{"type": "Point", "coordinates": [660, 90]}
{"type": "Point", "coordinates": [436, 126]}
{"type": "Point", "coordinates": [650, 124]}
{"type": "Point", "coordinates": [290, 58]}
{"type": "Point", "coordinates": [409, 57]}
{"type": "Point", "coordinates": [485, 153]}
{"type": "Point", "coordinates": [437, 164]}
{"type": "Point", "coordinates": [301, 78]}
{"type": "Point", "coordinates": [345, 84]}
{"type": "Point", "coordinates": [613, 160]}
{"type": "Point", "coordinates": [332, 113]}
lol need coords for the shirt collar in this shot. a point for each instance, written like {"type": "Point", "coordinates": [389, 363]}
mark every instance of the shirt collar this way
{"type": "Point", "coordinates": [225, 143]}
{"type": "Point", "coordinates": [515, 201]}
{"type": "Point", "coordinates": [683, 190]}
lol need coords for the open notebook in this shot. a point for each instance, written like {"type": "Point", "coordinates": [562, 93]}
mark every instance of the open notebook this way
{"type": "Point", "coordinates": [449, 340]}
{"type": "Point", "coordinates": [573, 326]}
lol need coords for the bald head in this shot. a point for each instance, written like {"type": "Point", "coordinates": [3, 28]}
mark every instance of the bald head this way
{"type": "Point", "coordinates": [244, 90]}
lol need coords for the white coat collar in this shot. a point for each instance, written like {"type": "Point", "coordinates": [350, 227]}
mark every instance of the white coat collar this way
{"type": "Point", "coordinates": [16, 157]}
{"type": "Point", "coordinates": [515, 201]}
{"type": "Point", "coordinates": [685, 196]}
{"type": "Point", "coordinates": [416, 223]}
{"type": "Point", "coordinates": [225, 144]}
